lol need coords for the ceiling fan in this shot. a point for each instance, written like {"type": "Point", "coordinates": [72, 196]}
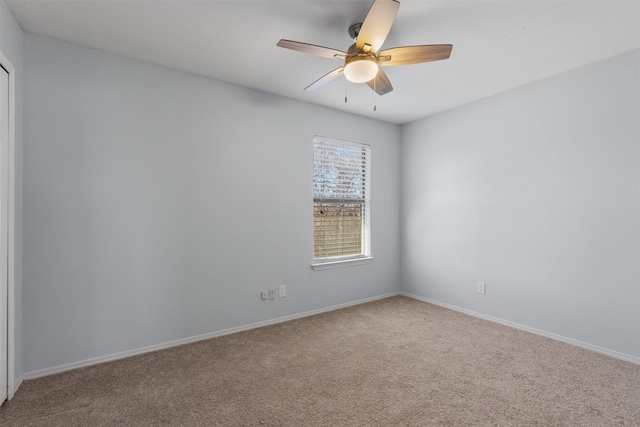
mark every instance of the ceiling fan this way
{"type": "Point", "coordinates": [361, 62]}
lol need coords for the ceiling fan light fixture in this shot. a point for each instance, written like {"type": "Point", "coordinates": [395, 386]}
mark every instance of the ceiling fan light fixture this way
{"type": "Point", "coordinates": [361, 68]}
{"type": "Point", "coordinates": [361, 62]}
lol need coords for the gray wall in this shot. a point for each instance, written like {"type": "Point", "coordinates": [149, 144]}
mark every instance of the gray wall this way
{"type": "Point", "coordinates": [11, 41]}
{"type": "Point", "coordinates": [536, 192]}
{"type": "Point", "coordinates": [158, 204]}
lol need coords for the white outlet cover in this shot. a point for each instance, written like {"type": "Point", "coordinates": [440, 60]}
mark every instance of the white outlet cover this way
{"type": "Point", "coordinates": [282, 291]}
{"type": "Point", "coordinates": [482, 288]}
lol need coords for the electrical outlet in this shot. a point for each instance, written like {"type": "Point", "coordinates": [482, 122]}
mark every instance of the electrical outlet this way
{"type": "Point", "coordinates": [482, 288]}
{"type": "Point", "coordinates": [282, 291]}
{"type": "Point", "coordinates": [265, 295]}
{"type": "Point", "coordinates": [272, 294]}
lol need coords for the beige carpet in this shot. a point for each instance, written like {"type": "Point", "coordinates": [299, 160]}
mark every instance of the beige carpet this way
{"type": "Point", "coordinates": [392, 362]}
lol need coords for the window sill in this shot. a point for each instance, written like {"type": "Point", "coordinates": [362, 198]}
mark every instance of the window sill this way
{"type": "Point", "coordinates": [326, 265]}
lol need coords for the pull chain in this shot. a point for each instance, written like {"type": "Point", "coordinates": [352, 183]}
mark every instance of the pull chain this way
{"type": "Point", "coordinates": [345, 90]}
{"type": "Point", "coordinates": [374, 93]}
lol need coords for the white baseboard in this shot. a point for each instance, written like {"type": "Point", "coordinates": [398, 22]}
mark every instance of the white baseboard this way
{"type": "Point", "coordinates": [111, 357]}
{"type": "Point", "coordinates": [577, 343]}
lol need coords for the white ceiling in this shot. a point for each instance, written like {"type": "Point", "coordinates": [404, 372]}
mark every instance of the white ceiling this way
{"type": "Point", "coordinates": [497, 45]}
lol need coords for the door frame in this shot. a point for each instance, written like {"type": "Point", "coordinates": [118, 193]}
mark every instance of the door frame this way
{"type": "Point", "coordinates": [12, 382]}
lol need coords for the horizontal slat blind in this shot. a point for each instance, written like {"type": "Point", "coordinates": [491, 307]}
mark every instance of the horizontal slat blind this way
{"type": "Point", "coordinates": [341, 181]}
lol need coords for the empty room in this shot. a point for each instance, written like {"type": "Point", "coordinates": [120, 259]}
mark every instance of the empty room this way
{"type": "Point", "coordinates": [335, 213]}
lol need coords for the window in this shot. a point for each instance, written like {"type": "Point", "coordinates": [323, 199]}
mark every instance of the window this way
{"type": "Point", "coordinates": [341, 206]}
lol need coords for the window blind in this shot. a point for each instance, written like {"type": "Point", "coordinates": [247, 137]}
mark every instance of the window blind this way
{"type": "Point", "coordinates": [341, 188]}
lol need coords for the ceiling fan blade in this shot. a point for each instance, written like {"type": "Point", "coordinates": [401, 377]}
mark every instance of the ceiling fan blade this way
{"type": "Point", "coordinates": [326, 79]}
{"type": "Point", "coordinates": [312, 49]}
{"type": "Point", "coordinates": [377, 24]}
{"type": "Point", "coordinates": [414, 54]}
{"type": "Point", "coordinates": [380, 84]}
